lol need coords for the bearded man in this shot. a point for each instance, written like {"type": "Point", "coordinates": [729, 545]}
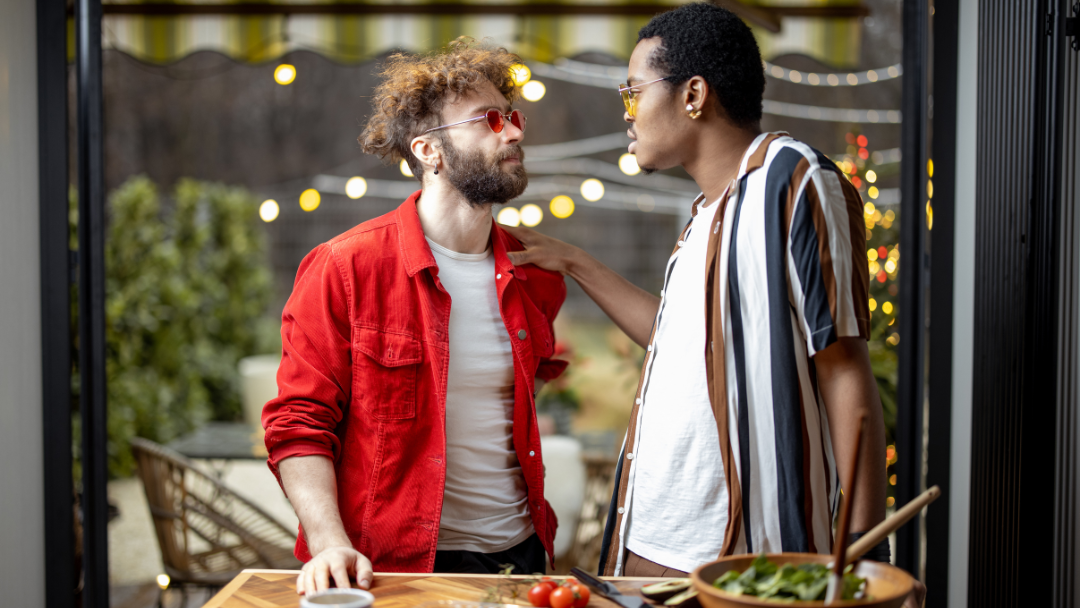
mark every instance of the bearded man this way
{"type": "Point", "coordinates": [404, 432]}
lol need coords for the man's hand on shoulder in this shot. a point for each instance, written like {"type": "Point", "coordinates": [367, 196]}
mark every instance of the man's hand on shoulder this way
{"type": "Point", "coordinates": [543, 251]}
{"type": "Point", "coordinates": [339, 562]}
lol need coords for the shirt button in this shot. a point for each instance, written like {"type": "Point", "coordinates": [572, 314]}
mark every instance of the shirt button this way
{"type": "Point", "coordinates": [661, 293]}
{"type": "Point", "coordinates": [650, 348]}
{"type": "Point", "coordinates": [498, 276]}
{"type": "Point", "coordinates": [521, 334]}
{"type": "Point", "coordinates": [532, 453]}
{"type": "Point", "coordinates": [630, 456]}
{"type": "Point", "coordinates": [638, 401]}
{"type": "Point", "coordinates": [682, 243]}
{"type": "Point", "coordinates": [621, 510]}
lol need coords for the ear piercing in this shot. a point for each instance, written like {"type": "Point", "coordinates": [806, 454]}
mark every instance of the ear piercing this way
{"type": "Point", "coordinates": [694, 114]}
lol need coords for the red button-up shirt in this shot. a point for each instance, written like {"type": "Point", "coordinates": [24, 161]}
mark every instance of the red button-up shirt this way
{"type": "Point", "coordinates": [362, 381]}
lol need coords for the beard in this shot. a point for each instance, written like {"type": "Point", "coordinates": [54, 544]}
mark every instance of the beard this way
{"type": "Point", "coordinates": [481, 180]}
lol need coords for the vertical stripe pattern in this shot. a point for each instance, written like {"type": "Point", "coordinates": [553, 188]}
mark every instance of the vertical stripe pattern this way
{"type": "Point", "coordinates": [787, 277]}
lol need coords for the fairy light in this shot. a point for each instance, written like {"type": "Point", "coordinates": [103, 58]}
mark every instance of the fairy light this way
{"type": "Point", "coordinates": [405, 169]}
{"type": "Point", "coordinates": [356, 187]}
{"type": "Point", "coordinates": [562, 206]}
{"type": "Point", "coordinates": [628, 164]}
{"type": "Point", "coordinates": [310, 199]}
{"type": "Point", "coordinates": [592, 190]}
{"type": "Point", "coordinates": [531, 215]}
{"type": "Point", "coordinates": [509, 216]}
{"type": "Point", "coordinates": [533, 90]}
{"type": "Point", "coordinates": [284, 74]}
{"type": "Point", "coordinates": [269, 210]}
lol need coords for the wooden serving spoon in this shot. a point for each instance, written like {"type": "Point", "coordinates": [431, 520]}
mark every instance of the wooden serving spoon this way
{"type": "Point", "coordinates": [881, 531]}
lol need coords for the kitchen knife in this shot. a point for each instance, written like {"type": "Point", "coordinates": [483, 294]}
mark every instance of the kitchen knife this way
{"type": "Point", "coordinates": [606, 589]}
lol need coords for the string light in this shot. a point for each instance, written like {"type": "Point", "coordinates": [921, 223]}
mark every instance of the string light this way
{"type": "Point", "coordinates": [269, 210]}
{"type": "Point", "coordinates": [163, 581]}
{"type": "Point", "coordinates": [533, 90]}
{"type": "Point", "coordinates": [509, 216]}
{"type": "Point", "coordinates": [628, 164]}
{"type": "Point", "coordinates": [531, 215]}
{"type": "Point", "coordinates": [562, 206]}
{"type": "Point", "coordinates": [592, 190]}
{"type": "Point", "coordinates": [310, 199]}
{"type": "Point", "coordinates": [871, 176]}
{"type": "Point", "coordinates": [842, 79]}
{"type": "Point", "coordinates": [284, 74]}
{"type": "Point", "coordinates": [356, 187]}
{"type": "Point", "coordinates": [520, 74]}
{"type": "Point", "coordinates": [405, 169]}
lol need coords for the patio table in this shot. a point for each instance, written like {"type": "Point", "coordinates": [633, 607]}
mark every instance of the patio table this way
{"type": "Point", "coordinates": [277, 589]}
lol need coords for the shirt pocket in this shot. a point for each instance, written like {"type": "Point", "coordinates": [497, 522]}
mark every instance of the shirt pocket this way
{"type": "Point", "coordinates": [385, 369]}
{"type": "Point", "coordinates": [543, 343]}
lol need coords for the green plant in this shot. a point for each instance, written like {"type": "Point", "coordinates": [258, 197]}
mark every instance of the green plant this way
{"type": "Point", "coordinates": [187, 289]}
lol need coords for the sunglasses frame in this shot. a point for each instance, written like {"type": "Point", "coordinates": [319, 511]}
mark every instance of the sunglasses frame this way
{"type": "Point", "coordinates": [628, 95]}
{"type": "Point", "coordinates": [503, 119]}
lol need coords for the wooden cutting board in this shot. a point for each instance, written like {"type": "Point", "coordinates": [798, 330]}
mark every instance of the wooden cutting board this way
{"type": "Point", "coordinates": [277, 589]}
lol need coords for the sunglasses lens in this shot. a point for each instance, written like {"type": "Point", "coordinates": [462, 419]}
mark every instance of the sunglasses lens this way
{"type": "Point", "coordinates": [495, 120]}
{"type": "Point", "coordinates": [628, 102]}
{"type": "Point", "coordinates": [517, 118]}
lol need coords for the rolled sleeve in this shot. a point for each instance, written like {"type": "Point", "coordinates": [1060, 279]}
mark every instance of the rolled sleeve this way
{"type": "Point", "coordinates": [315, 375]}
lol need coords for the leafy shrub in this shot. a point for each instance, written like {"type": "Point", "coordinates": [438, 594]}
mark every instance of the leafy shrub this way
{"type": "Point", "coordinates": [187, 289]}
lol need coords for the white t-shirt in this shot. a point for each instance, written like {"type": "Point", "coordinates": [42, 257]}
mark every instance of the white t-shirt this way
{"type": "Point", "coordinates": [679, 506]}
{"type": "Point", "coordinates": [485, 503]}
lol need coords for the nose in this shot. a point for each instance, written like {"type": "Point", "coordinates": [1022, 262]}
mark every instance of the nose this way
{"type": "Point", "coordinates": [511, 134]}
{"type": "Point", "coordinates": [626, 116]}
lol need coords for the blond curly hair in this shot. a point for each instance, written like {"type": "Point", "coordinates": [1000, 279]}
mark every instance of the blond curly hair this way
{"type": "Point", "coordinates": [415, 88]}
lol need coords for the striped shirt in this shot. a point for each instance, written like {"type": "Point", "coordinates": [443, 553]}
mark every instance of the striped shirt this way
{"type": "Point", "coordinates": [786, 276]}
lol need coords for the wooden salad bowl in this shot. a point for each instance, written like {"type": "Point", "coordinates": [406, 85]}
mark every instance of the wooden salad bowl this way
{"type": "Point", "coordinates": [886, 586]}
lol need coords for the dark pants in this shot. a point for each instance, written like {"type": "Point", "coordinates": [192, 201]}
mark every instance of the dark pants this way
{"type": "Point", "coordinates": [527, 557]}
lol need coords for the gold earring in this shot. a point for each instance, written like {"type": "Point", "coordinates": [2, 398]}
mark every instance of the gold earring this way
{"type": "Point", "coordinates": [694, 114]}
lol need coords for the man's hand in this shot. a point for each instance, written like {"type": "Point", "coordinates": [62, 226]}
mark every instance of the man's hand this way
{"type": "Point", "coordinates": [630, 307]}
{"type": "Point", "coordinates": [917, 597]}
{"type": "Point", "coordinates": [543, 251]}
{"type": "Point", "coordinates": [338, 562]}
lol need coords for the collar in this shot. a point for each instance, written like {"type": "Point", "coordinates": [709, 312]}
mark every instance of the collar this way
{"type": "Point", "coordinates": [501, 242]}
{"type": "Point", "coordinates": [416, 252]}
{"type": "Point", "coordinates": [752, 160]}
{"type": "Point", "coordinates": [414, 246]}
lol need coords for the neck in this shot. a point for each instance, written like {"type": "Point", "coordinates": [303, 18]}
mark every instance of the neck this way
{"type": "Point", "coordinates": [449, 220]}
{"type": "Point", "coordinates": [719, 152]}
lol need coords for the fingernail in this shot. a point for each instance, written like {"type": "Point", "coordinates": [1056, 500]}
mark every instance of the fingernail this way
{"type": "Point", "coordinates": [364, 583]}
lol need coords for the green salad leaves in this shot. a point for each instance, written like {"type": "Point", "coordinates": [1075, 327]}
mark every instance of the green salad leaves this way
{"type": "Point", "coordinates": [787, 583]}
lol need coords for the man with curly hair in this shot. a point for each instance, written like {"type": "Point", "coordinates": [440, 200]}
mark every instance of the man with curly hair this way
{"type": "Point", "coordinates": [404, 432]}
{"type": "Point", "coordinates": [756, 373]}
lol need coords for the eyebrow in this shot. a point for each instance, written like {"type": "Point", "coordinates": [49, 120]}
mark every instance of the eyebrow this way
{"type": "Point", "coordinates": [482, 108]}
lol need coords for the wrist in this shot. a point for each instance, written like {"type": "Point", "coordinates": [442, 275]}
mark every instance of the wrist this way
{"type": "Point", "coordinates": [319, 543]}
{"type": "Point", "coordinates": [577, 264]}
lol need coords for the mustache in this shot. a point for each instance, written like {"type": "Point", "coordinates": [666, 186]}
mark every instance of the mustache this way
{"type": "Point", "coordinates": [514, 151]}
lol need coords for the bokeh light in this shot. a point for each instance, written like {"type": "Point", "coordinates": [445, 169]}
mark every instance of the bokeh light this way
{"type": "Point", "coordinates": [509, 216]}
{"type": "Point", "coordinates": [284, 74]}
{"type": "Point", "coordinates": [871, 176]}
{"type": "Point", "coordinates": [404, 167]}
{"type": "Point", "coordinates": [520, 74]}
{"type": "Point", "coordinates": [628, 164]}
{"type": "Point", "coordinates": [562, 206]}
{"type": "Point", "coordinates": [592, 189]}
{"type": "Point", "coordinates": [310, 199]}
{"type": "Point", "coordinates": [269, 210]}
{"type": "Point", "coordinates": [887, 308]}
{"type": "Point", "coordinates": [163, 581]}
{"type": "Point", "coordinates": [533, 90]}
{"type": "Point", "coordinates": [531, 214]}
{"type": "Point", "coordinates": [356, 187]}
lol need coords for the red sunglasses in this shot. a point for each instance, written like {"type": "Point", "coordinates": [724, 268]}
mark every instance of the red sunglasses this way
{"type": "Point", "coordinates": [495, 119]}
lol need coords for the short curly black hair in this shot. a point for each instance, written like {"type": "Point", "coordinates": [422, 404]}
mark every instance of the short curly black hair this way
{"type": "Point", "coordinates": [705, 40]}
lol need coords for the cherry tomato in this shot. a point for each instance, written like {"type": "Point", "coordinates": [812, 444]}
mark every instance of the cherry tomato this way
{"type": "Point", "coordinates": [562, 597]}
{"type": "Point", "coordinates": [582, 593]}
{"type": "Point", "coordinates": [540, 594]}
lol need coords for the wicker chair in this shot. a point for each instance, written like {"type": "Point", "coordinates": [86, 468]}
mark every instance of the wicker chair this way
{"type": "Point", "coordinates": [207, 533]}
